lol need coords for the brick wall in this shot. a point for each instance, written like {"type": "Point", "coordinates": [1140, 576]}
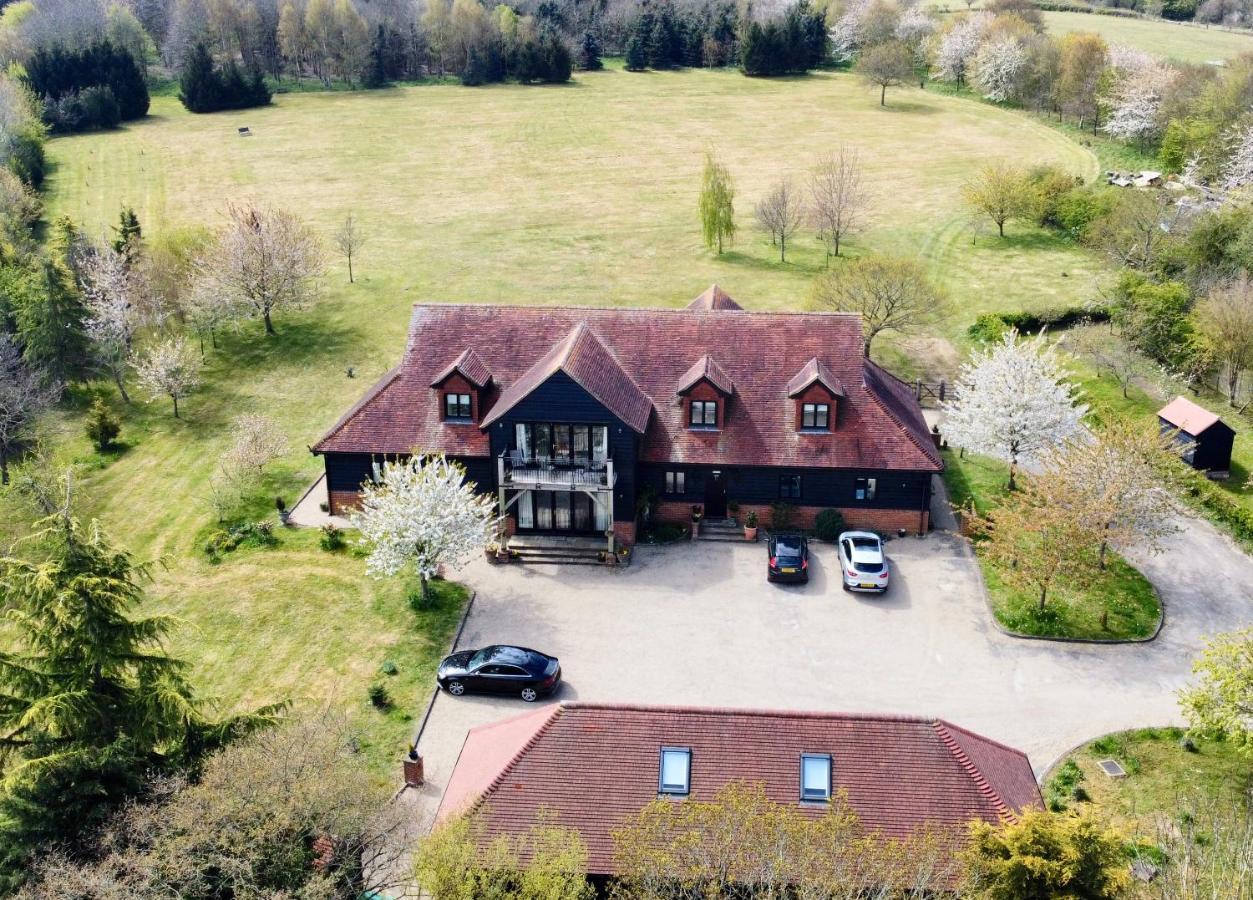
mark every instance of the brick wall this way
{"type": "Point", "coordinates": [341, 502]}
{"type": "Point", "coordinates": [881, 520]}
{"type": "Point", "coordinates": [623, 533]}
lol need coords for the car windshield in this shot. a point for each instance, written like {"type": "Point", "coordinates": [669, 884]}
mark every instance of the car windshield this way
{"type": "Point", "coordinates": [787, 547]}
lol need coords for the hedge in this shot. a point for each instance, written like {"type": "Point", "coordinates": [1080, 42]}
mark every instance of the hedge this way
{"type": "Point", "coordinates": [990, 326]}
{"type": "Point", "coordinates": [1222, 506]}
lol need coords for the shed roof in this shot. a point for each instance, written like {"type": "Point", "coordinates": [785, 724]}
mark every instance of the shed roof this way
{"type": "Point", "coordinates": [1187, 416]}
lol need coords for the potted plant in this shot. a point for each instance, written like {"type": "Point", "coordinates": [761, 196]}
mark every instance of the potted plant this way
{"type": "Point", "coordinates": [733, 509]}
{"type": "Point", "coordinates": [281, 505]}
{"type": "Point", "coordinates": [697, 513]}
{"type": "Point", "coordinates": [492, 551]}
{"type": "Point", "coordinates": [750, 526]}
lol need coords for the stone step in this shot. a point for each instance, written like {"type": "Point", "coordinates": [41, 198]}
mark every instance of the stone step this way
{"type": "Point", "coordinates": [725, 538]}
{"type": "Point", "coordinates": [559, 560]}
{"type": "Point", "coordinates": [557, 550]}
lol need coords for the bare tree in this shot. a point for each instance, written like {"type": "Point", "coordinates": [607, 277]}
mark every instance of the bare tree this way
{"type": "Point", "coordinates": [837, 199]}
{"type": "Point", "coordinates": [23, 396]}
{"type": "Point", "coordinates": [349, 239]}
{"type": "Point", "coordinates": [1111, 354]}
{"type": "Point", "coordinates": [1226, 318]}
{"type": "Point", "coordinates": [889, 294]}
{"type": "Point", "coordinates": [265, 260]}
{"type": "Point", "coordinates": [780, 213]}
{"type": "Point", "coordinates": [171, 369]}
{"type": "Point", "coordinates": [258, 441]}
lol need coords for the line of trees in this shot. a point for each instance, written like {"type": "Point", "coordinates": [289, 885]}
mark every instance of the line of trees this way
{"type": "Point", "coordinates": [96, 86]}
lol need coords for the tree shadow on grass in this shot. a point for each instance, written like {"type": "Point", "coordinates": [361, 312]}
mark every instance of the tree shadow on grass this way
{"type": "Point", "coordinates": [909, 107]}
{"type": "Point", "coordinates": [300, 340]}
{"type": "Point", "coordinates": [1023, 241]}
{"type": "Point", "coordinates": [771, 264]}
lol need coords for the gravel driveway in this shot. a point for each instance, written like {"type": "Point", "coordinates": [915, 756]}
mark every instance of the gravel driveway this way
{"type": "Point", "coordinates": [697, 624]}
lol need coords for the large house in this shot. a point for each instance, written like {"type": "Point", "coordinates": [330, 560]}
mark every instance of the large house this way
{"type": "Point", "coordinates": [594, 766]}
{"type": "Point", "coordinates": [569, 413]}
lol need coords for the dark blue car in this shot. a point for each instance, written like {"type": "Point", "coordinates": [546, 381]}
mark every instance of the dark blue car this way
{"type": "Point", "coordinates": [500, 669]}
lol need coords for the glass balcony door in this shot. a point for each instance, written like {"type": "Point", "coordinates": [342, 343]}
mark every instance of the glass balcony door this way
{"type": "Point", "coordinates": [566, 512]}
{"type": "Point", "coordinates": [562, 444]}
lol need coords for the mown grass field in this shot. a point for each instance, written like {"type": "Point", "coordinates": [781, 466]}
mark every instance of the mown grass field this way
{"type": "Point", "coordinates": [1172, 40]}
{"type": "Point", "coordinates": [584, 193]}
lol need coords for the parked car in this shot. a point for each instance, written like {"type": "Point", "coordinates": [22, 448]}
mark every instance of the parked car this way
{"type": "Point", "coordinates": [500, 669]}
{"type": "Point", "coordinates": [862, 563]}
{"type": "Point", "coordinates": [788, 556]}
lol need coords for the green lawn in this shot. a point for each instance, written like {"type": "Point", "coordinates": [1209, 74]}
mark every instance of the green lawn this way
{"type": "Point", "coordinates": [583, 193]}
{"type": "Point", "coordinates": [1163, 778]}
{"type": "Point", "coordinates": [1120, 594]}
{"type": "Point", "coordinates": [1174, 40]}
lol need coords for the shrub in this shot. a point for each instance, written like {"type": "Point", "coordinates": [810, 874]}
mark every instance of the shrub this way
{"type": "Point", "coordinates": [93, 87]}
{"type": "Point", "coordinates": [102, 426]}
{"type": "Point", "coordinates": [389, 667]}
{"type": "Point", "coordinates": [246, 534]}
{"type": "Point", "coordinates": [991, 327]}
{"type": "Point", "coordinates": [332, 538]}
{"type": "Point", "coordinates": [379, 697]}
{"type": "Point", "coordinates": [829, 524]}
{"type": "Point", "coordinates": [782, 515]}
{"type": "Point", "coordinates": [204, 88]}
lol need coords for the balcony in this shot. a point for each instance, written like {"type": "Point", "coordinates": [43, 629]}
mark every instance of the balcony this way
{"type": "Point", "coordinates": [542, 473]}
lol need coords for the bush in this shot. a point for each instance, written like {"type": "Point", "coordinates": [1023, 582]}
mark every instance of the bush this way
{"type": "Point", "coordinates": [782, 515]}
{"type": "Point", "coordinates": [1222, 506]}
{"type": "Point", "coordinates": [990, 327]}
{"type": "Point", "coordinates": [332, 538]}
{"type": "Point", "coordinates": [102, 427]}
{"type": "Point", "coordinates": [829, 524]}
{"type": "Point", "coordinates": [247, 534]}
{"type": "Point", "coordinates": [94, 87]}
{"type": "Point", "coordinates": [389, 668]}
{"type": "Point", "coordinates": [379, 697]}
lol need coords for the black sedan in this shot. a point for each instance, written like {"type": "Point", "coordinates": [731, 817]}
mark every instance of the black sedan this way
{"type": "Point", "coordinates": [789, 558]}
{"type": "Point", "coordinates": [500, 669]}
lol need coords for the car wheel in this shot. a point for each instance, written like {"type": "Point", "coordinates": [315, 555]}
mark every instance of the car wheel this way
{"type": "Point", "coordinates": [456, 688]}
{"type": "Point", "coordinates": [844, 584]}
{"type": "Point", "coordinates": [529, 694]}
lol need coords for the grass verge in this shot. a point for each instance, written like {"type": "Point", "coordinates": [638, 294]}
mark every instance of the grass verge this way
{"type": "Point", "coordinates": [1117, 604]}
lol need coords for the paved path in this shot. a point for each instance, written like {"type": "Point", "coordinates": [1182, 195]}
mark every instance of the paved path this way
{"type": "Point", "coordinates": [697, 624]}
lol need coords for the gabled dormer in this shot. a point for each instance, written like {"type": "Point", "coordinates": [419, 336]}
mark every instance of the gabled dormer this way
{"type": "Point", "coordinates": [815, 393]}
{"type": "Point", "coordinates": [460, 388]}
{"type": "Point", "coordinates": [705, 389]}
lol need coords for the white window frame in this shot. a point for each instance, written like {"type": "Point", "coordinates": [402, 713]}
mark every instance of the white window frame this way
{"type": "Point", "coordinates": [674, 789]}
{"type": "Point", "coordinates": [812, 795]}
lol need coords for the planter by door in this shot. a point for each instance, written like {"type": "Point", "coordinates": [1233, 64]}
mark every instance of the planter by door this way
{"type": "Point", "coordinates": [716, 495]}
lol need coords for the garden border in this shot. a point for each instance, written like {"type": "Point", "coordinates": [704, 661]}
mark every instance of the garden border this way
{"type": "Point", "coordinates": [1112, 642]}
{"type": "Point", "coordinates": [430, 704]}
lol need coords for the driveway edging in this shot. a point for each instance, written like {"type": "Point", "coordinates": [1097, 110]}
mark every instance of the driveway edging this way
{"type": "Point", "coordinates": [1109, 642]}
{"type": "Point", "coordinates": [456, 639]}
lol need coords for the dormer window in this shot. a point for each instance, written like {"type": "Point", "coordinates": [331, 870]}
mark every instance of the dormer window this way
{"type": "Point", "coordinates": [457, 407]}
{"type": "Point", "coordinates": [816, 416]}
{"type": "Point", "coordinates": [675, 775]}
{"type": "Point", "coordinates": [815, 777]}
{"type": "Point", "coordinates": [704, 414]}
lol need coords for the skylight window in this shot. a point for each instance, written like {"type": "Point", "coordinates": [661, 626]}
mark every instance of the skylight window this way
{"type": "Point", "coordinates": [676, 771]}
{"type": "Point", "coordinates": [815, 776]}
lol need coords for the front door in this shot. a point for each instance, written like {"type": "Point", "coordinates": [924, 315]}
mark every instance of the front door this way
{"type": "Point", "coordinates": [715, 495]}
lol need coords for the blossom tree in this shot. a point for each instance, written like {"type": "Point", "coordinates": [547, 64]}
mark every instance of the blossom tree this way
{"type": "Point", "coordinates": [1238, 169]}
{"type": "Point", "coordinates": [419, 514]}
{"type": "Point", "coordinates": [1011, 402]}
{"type": "Point", "coordinates": [171, 369]}
{"type": "Point", "coordinates": [998, 67]}
{"type": "Point", "coordinates": [114, 313]}
{"type": "Point", "coordinates": [958, 46]}
{"type": "Point", "coordinates": [24, 396]}
{"type": "Point", "coordinates": [1135, 101]}
{"type": "Point", "coordinates": [258, 442]}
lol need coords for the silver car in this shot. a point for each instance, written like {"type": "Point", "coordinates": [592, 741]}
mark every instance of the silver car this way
{"type": "Point", "coordinates": [862, 563]}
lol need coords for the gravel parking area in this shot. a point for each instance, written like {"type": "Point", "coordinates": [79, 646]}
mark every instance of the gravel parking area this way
{"type": "Point", "coordinates": [697, 624]}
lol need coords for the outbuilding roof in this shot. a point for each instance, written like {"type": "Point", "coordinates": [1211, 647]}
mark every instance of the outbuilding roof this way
{"type": "Point", "coordinates": [1187, 416]}
{"type": "Point", "coordinates": [595, 765]}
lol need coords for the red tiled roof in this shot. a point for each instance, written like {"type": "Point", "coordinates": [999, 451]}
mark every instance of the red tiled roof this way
{"type": "Point", "coordinates": [632, 360]}
{"type": "Point", "coordinates": [814, 371]}
{"type": "Point", "coordinates": [706, 369]}
{"type": "Point", "coordinates": [713, 297]}
{"type": "Point", "coordinates": [1187, 416]}
{"type": "Point", "coordinates": [584, 358]}
{"type": "Point", "coordinates": [471, 367]}
{"type": "Point", "coordinates": [596, 765]}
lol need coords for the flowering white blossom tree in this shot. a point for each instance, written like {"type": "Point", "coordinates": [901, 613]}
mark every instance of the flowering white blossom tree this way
{"type": "Point", "coordinates": [171, 369]}
{"type": "Point", "coordinates": [1135, 102]}
{"type": "Point", "coordinates": [846, 34]}
{"type": "Point", "coordinates": [959, 45]}
{"type": "Point", "coordinates": [1238, 170]}
{"type": "Point", "coordinates": [997, 68]}
{"type": "Point", "coordinates": [114, 314]}
{"type": "Point", "coordinates": [916, 25]}
{"type": "Point", "coordinates": [258, 441]}
{"type": "Point", "coordinates": [1011, 401]}
{"type": "Point", "coordinates": [422, 513]}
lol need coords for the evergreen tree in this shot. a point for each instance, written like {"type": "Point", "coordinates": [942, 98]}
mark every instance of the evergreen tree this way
{"type": "Point", "coordinates": [127, 231]}
{"type": "Point", "coordinates": [557, 62]}
{"type": "Point", "coordinates": [51, 321]}
{"type": "Point", "coordinates": [376, 74]}
{"type": "Point", "coordinates": [589, 53]}
{"type": "Point", "coordinates": [93, 87]}
{"type": "Point", "coordinates": [91, 702]}
{"type": "Point", "coordinates": [198, 83]}
{"type": "Point", "coordinates": [636, 54]}
{"type": "Point", "coordinates": [661, 49]}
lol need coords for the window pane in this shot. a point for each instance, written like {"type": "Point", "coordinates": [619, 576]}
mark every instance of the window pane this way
{"type": "Point", "coordinates": [543, 441]}
{"type": "Point", "coordinates": [582, 443]}
{"type": "Point", "coordinates": [544, 509]}
{"type": "Point", "coordinates": [600, 443]}
{"type": "Point", "coordinates": [600, 508]}
{"type": "Point", "coordinates": [680, 480]}
{"type": "Point", "coordinates": [711, 413]}
{"type": "Point", "coordinates": [698, 413]}
{"type": "Point", "coordinates": [526, 515]}
{"type": "Point", "coordinates": [561, 517]}
{"type": "Point", "coordinates": [522, 437]}
{"type": "Point", "coordinates": [561, 442]}
{"type": "Point", "coordinates": [860, 489]}
{"type": "Point", "coordinates": [675, 769]}
{"type": "Point", "coordinates": [822, 416]}
{"type": "Point", "coordinates": [870, 488]}
{"type": "Point", "coordinates": [450, 406]}
{"type": "Point", "coordinates": [815, 777]}
{"type": "Point", "coordinates": [463, 401]}
{"type": "Point", "coordinates": [669, 482]}
{"type": "Point", "coordinates": [807, 416]}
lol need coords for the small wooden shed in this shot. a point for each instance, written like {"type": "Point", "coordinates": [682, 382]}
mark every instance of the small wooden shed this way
{"type": "Point", "coordinates": [1207, 439]}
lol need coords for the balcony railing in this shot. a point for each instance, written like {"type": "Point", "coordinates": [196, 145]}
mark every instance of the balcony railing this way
{"type": "Point", "coordinates": [519, 470]}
